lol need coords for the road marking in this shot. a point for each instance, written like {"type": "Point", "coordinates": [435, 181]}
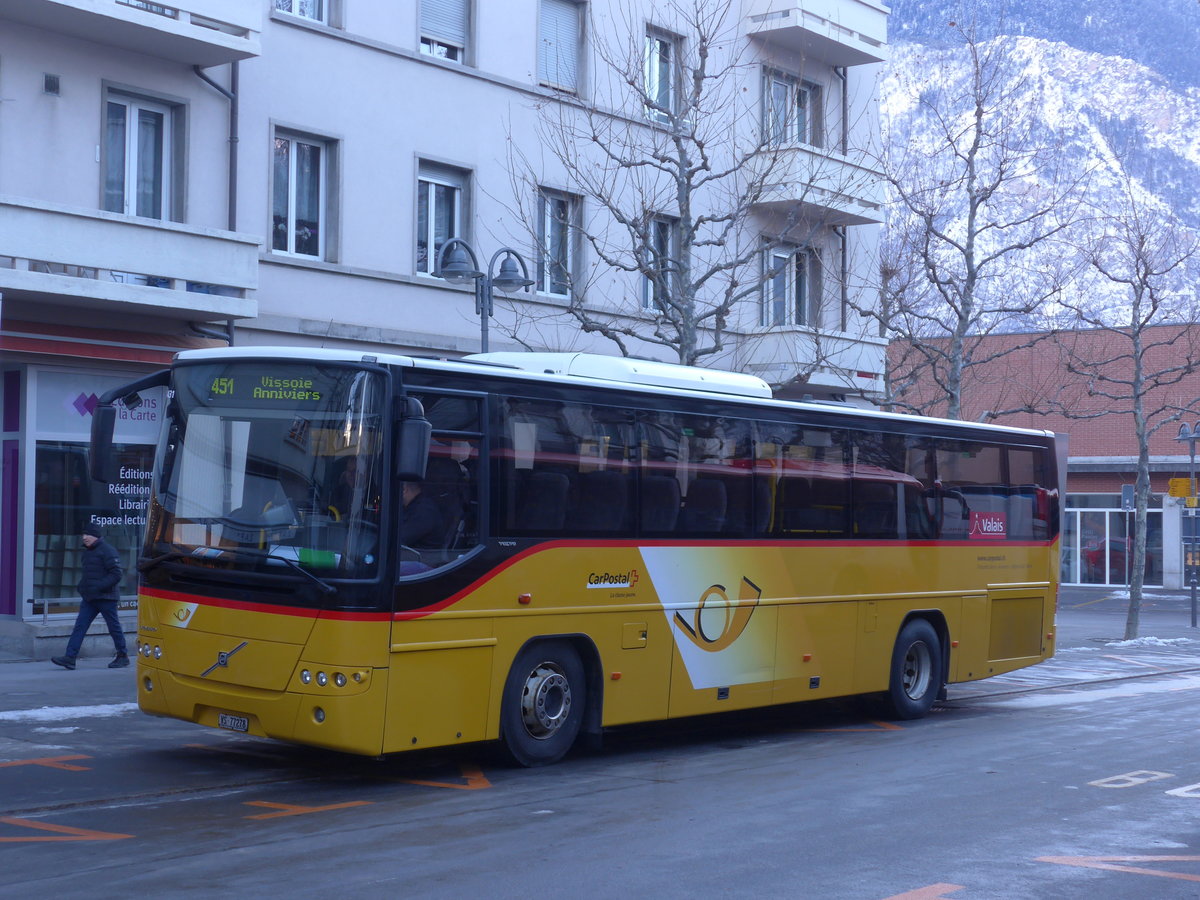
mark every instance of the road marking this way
{"type": "Point", "coordinates": [1191, 791]}
{"type": "Point", "coordinates": [476, 780]}
{"type": "Point", "coordinates": [1133, 662]}
{"type": "Point", "coordinates": [51, 762]}
{"type": "Point", "coordinates": [62, 832]}
{"type": "Point", "coordinates": [1109, 863]}
{"type": "Point", "coordinates": [288, 809]}
{"type": "Point", "coordinates": [933, 892]}
{"type": "Point", "coordinates": [1130, 779]}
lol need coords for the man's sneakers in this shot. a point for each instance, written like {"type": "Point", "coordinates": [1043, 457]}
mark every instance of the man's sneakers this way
{"type": "Point", "coordinates": [120, 661]}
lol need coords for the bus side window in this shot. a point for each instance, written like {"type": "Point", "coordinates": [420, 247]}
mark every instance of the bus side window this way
{"type": "Point", "coordinates": [803, 476]}
{"type": "Point", "coordinates": [536, 464]}
{"type": "Point", "coordinates": [603, 500]}
{"type": "Point", "coordinates": [452, 475]}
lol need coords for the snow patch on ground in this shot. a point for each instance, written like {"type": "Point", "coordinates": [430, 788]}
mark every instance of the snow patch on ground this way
{"type": "Point", "coordinates": [62, 713]}
{"type": "Point", "coordinates": [1151, 642]}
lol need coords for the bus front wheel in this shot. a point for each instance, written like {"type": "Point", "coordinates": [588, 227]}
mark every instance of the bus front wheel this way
{"type": "Point", "coordinates": [543, 703]}
{"type": "Point", "coordinates": [916, 676]}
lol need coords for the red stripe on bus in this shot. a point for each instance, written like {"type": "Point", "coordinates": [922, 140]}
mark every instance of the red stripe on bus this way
{"type": "Point", "coordinates": [668, 542]}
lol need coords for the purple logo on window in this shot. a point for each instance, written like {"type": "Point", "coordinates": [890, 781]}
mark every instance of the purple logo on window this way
{"type": "Point", "coordinates": [85, 404]}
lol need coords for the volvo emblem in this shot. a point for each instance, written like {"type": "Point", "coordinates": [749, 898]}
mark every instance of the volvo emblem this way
{"type": "Point", "coordinates": [222, 660]}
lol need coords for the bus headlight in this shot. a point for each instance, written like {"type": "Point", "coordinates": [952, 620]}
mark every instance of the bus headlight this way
{"type": "Point", "coordinates": [339, 679]}
{"type": "Point", "coordinates": [305, 676]}
{"type": "Point", "coordinates": [322, 679]}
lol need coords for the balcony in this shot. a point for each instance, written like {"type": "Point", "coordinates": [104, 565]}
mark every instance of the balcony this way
{"type": "Point", "coordinates": [835, 32]}
{"type": "Point", "coordinates": [848, 362]}
{"type": "Point", "coordinates": [192, 32]}
{"type": "Point", "coordinates": [119, 265]}
{"type": "Point", "coordinates": [821, 185]}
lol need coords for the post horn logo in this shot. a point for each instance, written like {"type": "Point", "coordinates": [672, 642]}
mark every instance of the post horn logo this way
{"type": "Point", "coordinates": [737, 616]}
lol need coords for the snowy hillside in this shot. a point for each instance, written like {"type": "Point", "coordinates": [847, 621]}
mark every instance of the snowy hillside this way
{"type": "Point", "coordinates": [1104, 117]}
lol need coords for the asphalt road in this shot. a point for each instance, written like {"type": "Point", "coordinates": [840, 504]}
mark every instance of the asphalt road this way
{"type": "Point", "coordinates": [1077, 778]}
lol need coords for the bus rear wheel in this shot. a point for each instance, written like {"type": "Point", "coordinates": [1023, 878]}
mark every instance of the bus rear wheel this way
{"type": "Point", "coordinates": [916, 676]}
{"type": "Point", "coordinates": [543, 703]}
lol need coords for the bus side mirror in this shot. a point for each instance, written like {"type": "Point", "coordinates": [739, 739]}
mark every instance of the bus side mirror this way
{"type": "Point", "coordinates": [100, 460]}
{"type": "Point", "coordinates": [414, 433]}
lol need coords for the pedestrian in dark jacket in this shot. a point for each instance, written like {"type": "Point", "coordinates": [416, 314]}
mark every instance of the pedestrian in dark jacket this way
{"type": "Point", "coordinates": [99, 589]}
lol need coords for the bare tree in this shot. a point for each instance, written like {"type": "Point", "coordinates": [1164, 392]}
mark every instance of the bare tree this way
{"type": "Point", "coordinates": [1131, 356]}
{"type": "Point", "coordinates": [684, 172]}
{"type": "Point", "coordinates": [976, 183]}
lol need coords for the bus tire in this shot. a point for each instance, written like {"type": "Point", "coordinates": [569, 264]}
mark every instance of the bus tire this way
{"type": "Point", "coordinates": [916, 676]}
{"type": "Point", "coordinates": [543, 703]}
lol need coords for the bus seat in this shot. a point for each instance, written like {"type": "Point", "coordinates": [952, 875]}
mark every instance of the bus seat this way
{"type": "Point", "coordinates": [874, 510]}
{"type": "Point", "coordinates": [444, 484]}
{"type": "Point", "coordinates": [660, 503]}
{"type": "Point", "coordinates": [603, 502]}
{"type": "Point", "coordinates": [543, 504]}
{"type": "Point", "coordinates": [704, 510]}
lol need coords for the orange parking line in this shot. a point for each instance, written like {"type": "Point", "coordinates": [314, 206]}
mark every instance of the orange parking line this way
{"type": "Point", "coordinates": [50, 762]}
{"type": "Point", "coordinates": [933, 892]}
{"type": "Point", "coordinates": [288, 809]}
{"type": "Point", "coordinates": [1109, 863]}
{"type": "Point", "coordinates": [62, 832]}
{"type": "Point", "coordinates": [476, 780]}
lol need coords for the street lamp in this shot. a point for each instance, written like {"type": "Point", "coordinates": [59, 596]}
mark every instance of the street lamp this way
{"type": "Point", "coordinates": [1191, 540]}
{"type": "Point", "coordinates": [458, 264]}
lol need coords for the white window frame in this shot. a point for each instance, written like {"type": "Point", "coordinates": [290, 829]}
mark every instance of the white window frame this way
{"type": "Point", "coordinates": [445, 29]}
{"type": "Point", "coordinates": [663, 243]}
{"type": "Point", "coordinates": [661, 75]}
{"type": "Point", "coordinates": [430, 177]}
{"type": "Point", "coordinates": [130, 163]}
{"type": "Point", "coordinates": [548, 223]}
{"type": "Point", "coordinates": [560, 44]}
{"type": "Point", "coordinates": [791, 287]}
{"type": "Point", "coordinates": [314, 10]}
{"type": "Point", "coordinates": [803, 119]}
{"type": "Point", "coordinates": [326, 149]}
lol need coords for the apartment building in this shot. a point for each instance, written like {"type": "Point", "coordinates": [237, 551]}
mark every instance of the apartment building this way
{"type": "Point", "coordinates": [285, 172]}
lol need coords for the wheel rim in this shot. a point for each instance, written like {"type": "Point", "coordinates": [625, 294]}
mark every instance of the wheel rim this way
{"type": "Point", "coordinates": [918, 670]}
{"type": "Point", "coordinates": [545, 701]}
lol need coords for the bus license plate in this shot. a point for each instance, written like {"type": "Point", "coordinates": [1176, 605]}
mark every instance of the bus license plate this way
{"type": "Point", "coordinates": [233, 723]}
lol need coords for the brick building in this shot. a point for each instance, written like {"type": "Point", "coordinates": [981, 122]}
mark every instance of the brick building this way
{"type": "Point", "coordinates": [1080, 384]}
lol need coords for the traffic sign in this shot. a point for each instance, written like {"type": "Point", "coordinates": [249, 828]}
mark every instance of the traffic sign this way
{"type": "Point", "coordinates": [1179, 487]}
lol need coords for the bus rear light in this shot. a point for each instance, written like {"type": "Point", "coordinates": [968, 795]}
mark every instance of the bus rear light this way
{"type": "Point", "coordinates": [525, 598]}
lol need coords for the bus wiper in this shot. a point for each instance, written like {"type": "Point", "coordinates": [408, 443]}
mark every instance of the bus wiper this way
{"type": "Point", "coordinates": [145, 565]}
{"type": "Point", "coordinates": [325, 586]}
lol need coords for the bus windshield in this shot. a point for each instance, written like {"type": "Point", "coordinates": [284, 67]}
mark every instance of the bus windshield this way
{"type": "Point", "coordinates": [275, 463]}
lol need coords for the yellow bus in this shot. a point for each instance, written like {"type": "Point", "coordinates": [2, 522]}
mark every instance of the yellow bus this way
{"type": "Point", "coordinates": [378, 553]}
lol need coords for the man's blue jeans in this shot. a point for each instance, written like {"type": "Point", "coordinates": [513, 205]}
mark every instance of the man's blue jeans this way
{"type": "Point", "coordinates": [88, 610]}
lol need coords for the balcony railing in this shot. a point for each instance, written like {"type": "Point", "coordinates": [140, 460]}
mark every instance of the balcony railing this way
{"type": "Point", "coordinates": [835, 32]}
{"type": "Point", "coordinates": [193, 32]}
{"type": "Point", "coordinates": [823, 185]}
{"type": "Point", "coordinates": [121, 264]}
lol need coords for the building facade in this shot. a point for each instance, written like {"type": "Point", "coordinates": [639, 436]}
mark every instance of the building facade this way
{"type": "Point", "coordinates": [285, 172]}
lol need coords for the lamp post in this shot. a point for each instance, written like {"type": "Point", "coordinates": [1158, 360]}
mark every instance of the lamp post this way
{"type": "Point", "coordinates": [1191, 540]}
{"type": "Point", "coordinates": [458, 264]}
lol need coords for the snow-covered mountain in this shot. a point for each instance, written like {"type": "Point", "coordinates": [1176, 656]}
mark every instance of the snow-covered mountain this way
{"type": "Point", "coordinates": [1111, 87]}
